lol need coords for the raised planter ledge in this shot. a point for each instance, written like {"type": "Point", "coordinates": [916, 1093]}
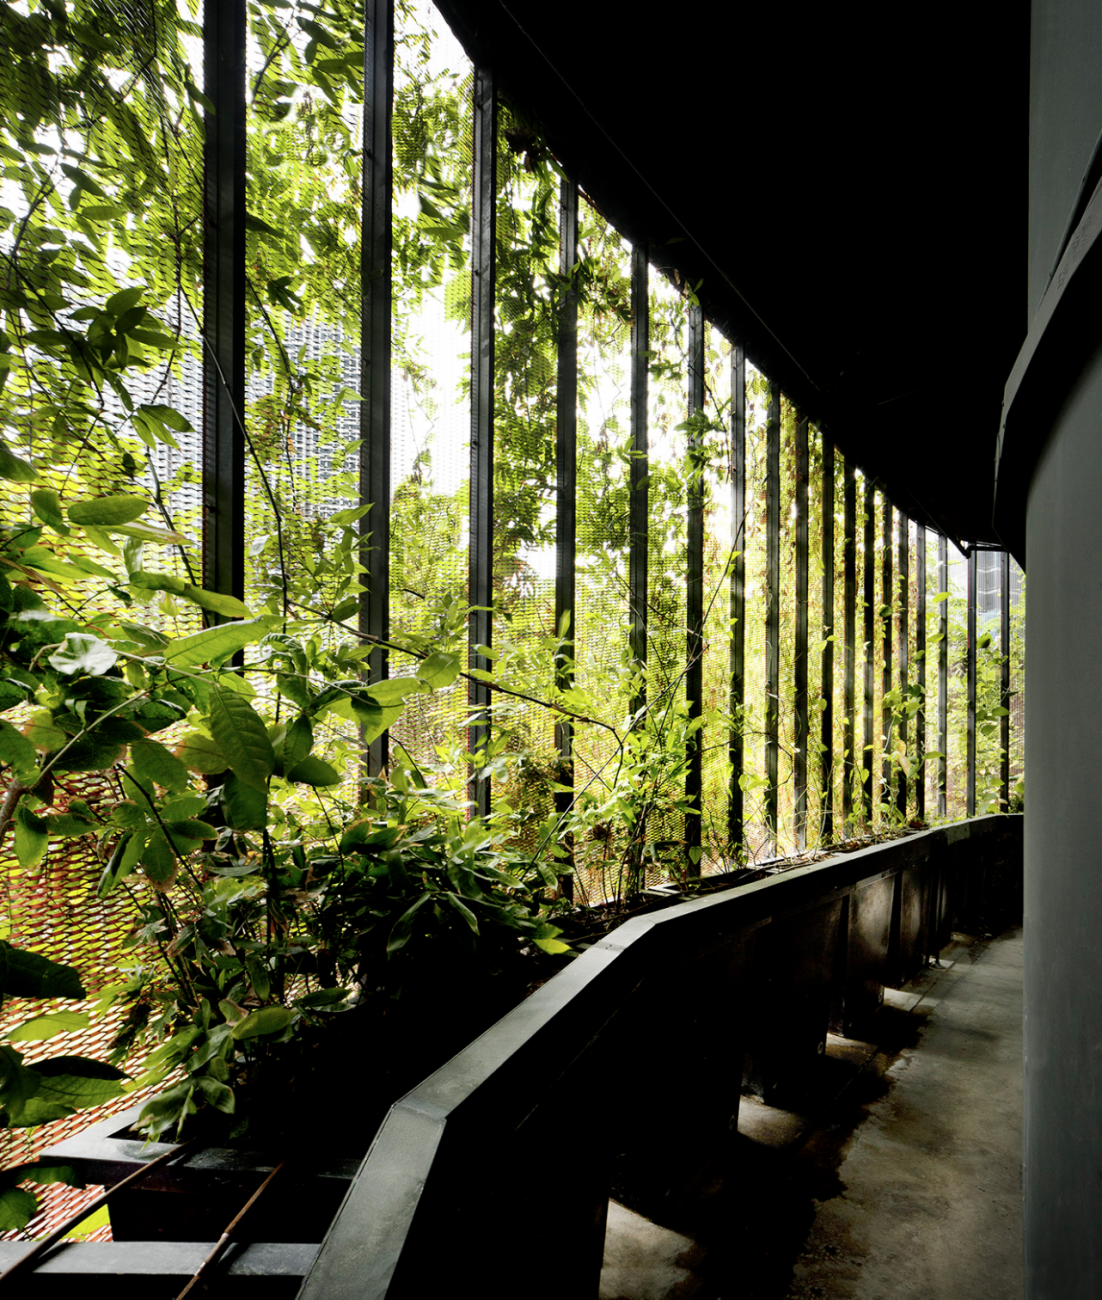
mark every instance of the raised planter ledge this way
{"type": "Point", "coordinates": [483, 1139]}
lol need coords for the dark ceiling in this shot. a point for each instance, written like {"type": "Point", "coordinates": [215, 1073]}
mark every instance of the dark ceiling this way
{"type": "Point", "coordinates": [850, 188]}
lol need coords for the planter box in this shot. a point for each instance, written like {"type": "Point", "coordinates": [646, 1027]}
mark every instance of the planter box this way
{"type": "Point", "coordinates": [193, 1199]}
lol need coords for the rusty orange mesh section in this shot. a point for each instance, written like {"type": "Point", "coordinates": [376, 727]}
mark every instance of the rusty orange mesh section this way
{"type": "Point", "coordinates": [53, 909]}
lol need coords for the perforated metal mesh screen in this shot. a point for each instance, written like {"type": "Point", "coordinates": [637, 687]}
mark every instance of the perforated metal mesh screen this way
{"type": "Point", "coordinates": [1016, 703]}
{"type": "Point", "coordinates": [755, 830]}
{"type": "Point", "coordinates": [430, 376]}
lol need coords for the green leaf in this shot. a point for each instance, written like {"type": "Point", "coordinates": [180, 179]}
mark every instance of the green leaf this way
{"type": "Point", "coordinates": [214, 1093]}
{"type": "Point", "coordinates": [215, 642]}
{"type": "Point", "coordinates": [158, 860]}
{"type": "Point", "coordinates": [544, 938]}
{"type": "Point", "coordinates": [227, 606]}
{"type": "Point", "coordinates": [268, 1020]}
{"type": "Point", "coordinates": [313, 771]}
{"type": "Point", "coordinates": [438, 670]}
{"type": "Point", "coordinates": [68, 825]}
{"type": "Point", "coordinates": [464, 911]}
{"type": "Point", "coordinates": [168, 415]}
{"type": "Point", "coordinates": [44, 1172]}
{"type": "Point", "coordinates": [81, 652]}
{"type": "Point", "coordinates": [31, 838]}
{"type": "Point", "coordinates": [102, 512]}
{"type": "Point", "coordinates": [47, 506]}
{"type": "Point", "coordinates": [395, 689]}
{"type": "Point", "coordinates": [240, 734]}
{"type": "Point", "coordinates": [152, 762]}
{"type": "Point", "coordinates": [17, 1209]}
{"type": "Point", "coordinates": [123, 300]}
{"type": "Point", "coordinates": [297, 744]}
{"type": "Point", "coordinates": [201, 754]}
{"type": "Point", "coordinates": [14, 469]}
{"type": "Point", "coordinates": [246, 808]}
{"type": "Point", "coordinates": [16, 750]}
{"type": "Point", "coordinates": [30, 975]}
{"type": "Point", "coordinates": [57, 1022]}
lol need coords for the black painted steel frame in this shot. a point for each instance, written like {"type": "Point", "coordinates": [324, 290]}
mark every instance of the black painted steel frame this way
{"type": "Point", "coordinates": [887, 595]}
{"type": "Point", "coordinates": [869, 568]}
{"type": "Point", "coordinates": [970, 808]}
{"type": "Point", "coordinates": [483, 261]}
{"type": "Point", "coordinates": [224, 164]}
{"type": "Point", "coordinates": [850, 764]}
{"type": "Point", "coordinates": [920, 667]}
{"type": "Point", "coordinates": [375, 324]}
{"type": "Point", "coordinates": [826, 753]}
{"type": "Point", "coordinates": [902, 649]}
{"type": "Point", "coordinates": [1004, 682]}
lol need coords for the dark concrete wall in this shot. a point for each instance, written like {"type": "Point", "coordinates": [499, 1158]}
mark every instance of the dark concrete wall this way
{"type": "Point", "coordinates": [1063, 863]}
{"type": "Point", "coordinates": [1065, 117]}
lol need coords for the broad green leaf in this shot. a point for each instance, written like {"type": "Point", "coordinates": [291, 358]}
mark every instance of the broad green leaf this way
{"type": "Point", "coordinates": [17, 1209]}
{"type": "Point", "coordinates": [545, 938]}
{"type": "Point", "coordinates": [168, 415]}
{"type": "Point", "coordinates": [16, 750]}
{"type": "Point", "coordinates": [31, 838]}
{"type": "Point", "coordinates": [297, 743]}
{"type": "Point", "coordinates": [227, 606]}
{"type": "Point", "coordinates": [268, 1020]}
{"type": "Point", "coordinates": [438, 670]}
{"type": "Point", "coordinates": [158, 860]}
{"type": "Point", "coordinates": [240, 734]}
{"type": "Point", "coordinates": [201, 754]}
{"type": "Point", "coordinates": [57, 1022]}
{"type": "Point", "coordinates": [464, 911]}
{"type": "Point", "coordinates": [14, 469]}
{"type": "Point", "coordinates": [102, 512]}
{"type": "Point", "coordinates": [395, 689]}
{"type": "Point", "coordinates": [314, 771]}
{"type": "Point", "coordinates": [47, 506]}
{"type": "Point", "coordinates": [156, 582]}
{"type": "Point", "coordinates": [30, 975]}
{"type": "Point", "coordinates": [123, 300]}
{"type": "Point", "coordinates": [214, 1093]}
{"type": "Point", "coordinates": [215, 642]}
{"type": "Point", "coordinates": [44, 1172]}
{"type": "Point", "coordinates": [81, 652]}
{"type": "Point", "coordinates": [246, 807]}
{"type": "Point", "coordinates": [152, 762]}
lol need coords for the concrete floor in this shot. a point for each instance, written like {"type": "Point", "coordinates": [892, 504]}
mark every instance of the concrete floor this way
{"type": "Point", "coordinates": [903, 1182]}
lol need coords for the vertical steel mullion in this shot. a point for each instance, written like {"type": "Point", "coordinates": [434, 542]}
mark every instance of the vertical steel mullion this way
{"type": "Point", "coordinates": [920, 668]}
{"type": "Point", "coordinates": [850, 765]}
{"type": "Point", "coordinates": [738, 593]}
{"type": "Point", "coordinates": [1004, 683]}
{"type": "Point", "coordinates": [943, 676]}
{"type": "Point", "coordinates": [224, 167]}
{"type": "Point", "coordinates": [826, 760]}
{"type": "Point", "coordinates": [886, 670]}
{"type": "Point", "coordinates": [375, 325]}
{"type": "Point", "coordinates": [869, 585]}
{"type": "Point", "coordinates": [566, 461]}
{"type": "Point", "coordinates": [772, 607]}
{"type": "Point", "coordinates": [799, 663]}
{"type": "Point", "coordinates": [902, 652]}
{"type": "Point", "coordinates": [970, 807]}
{"type": "Point", "coordinates": [480, 574]}
{"type": "Point", "coordinates": [639, 494]}
{"type": "Point", "coordinates": [694, 590]}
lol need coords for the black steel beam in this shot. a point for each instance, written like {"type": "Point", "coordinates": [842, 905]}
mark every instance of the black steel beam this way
{"type": "Point", "coordinates": [826, 754]}
{"type": "Point", "coordinates": [694, 589]}
{"type": "Point", "coordinates": [736, 750]}
{"type": "Point", "coordinates": [850, 764]}
{"type": "Point", "coordinates": [772, 607]}
{"type": "Point", "coordinates": [375, 324]}
{"type": "Point", "coordinates": [902, 651]}
{"type": "Point", "coordinates": [1004, 683]}
{"type": "Point", "coordinates": [943, 676]}
{"type": "Point", "coordinates": [639, 493]}
{"type": "Point", "coordinates": [799, 662]}
{"type": "Point", "coordinates": [970, 807]}
{"type": "Point", "coordinates": [566, 460]}
{"type": "Point", "coordinates": [224, 167]}
{"type": "Point", "coordinates": [480, 572]}
{"type": "Point", "coordinates": [869, 574]}
{"type": "Point", "coordinates": [920, 667]}
{"type": "Point", "coordinates": [886, 775]}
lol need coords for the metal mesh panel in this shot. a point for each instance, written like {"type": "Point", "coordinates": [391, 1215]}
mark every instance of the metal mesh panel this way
{"type": "Point", "coordinates": [602, 621]}
{"type": "Point", "coordinates": [1016, 703]}
{"type": "Point", "coordinates": [957, 756]}
{"type": "Point", "coordinates": [815, 698]}
{"type": "Point", "coordinates": [755, 830]}
{"type": "Point", "coordinates": [430, 377]}
{"type": "Point", "coordinates": [786, 681]}
{"type": "Point", "coordinates": [525, 335]}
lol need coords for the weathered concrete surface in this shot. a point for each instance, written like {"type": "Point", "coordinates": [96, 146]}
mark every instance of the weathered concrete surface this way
{"type": "Point", "coordinates": [645, 1262]}
{"type": "Point", "coordinates": [931, 1206]}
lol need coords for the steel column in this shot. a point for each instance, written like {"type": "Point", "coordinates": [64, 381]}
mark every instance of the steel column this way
{"type": "Point", "coordinates": [772, 607]}
{"type": "Point", "coordinates": [375, 325]}
{"type": "Point", "coordinates": [902, 648]}
{"type": "Point", "coordinates": [850, 765]}
{"type": "Point", "coordinates": [566, 456]}
{"type": "Point", "coordinates": [480, 574]}
{"type": "Point", "coordinates": [826, 756]}
{"type": "Point", "coordinates": [870, 632]}
{"type": "Point", "coordinates": [943, 676]}
{"type": "Point", "coordinates": [886, 671]}
{"type": "Point", "coordinates": [970, 808]}
{"type": "Point", "coordinates": [920, 667]}
{"type": "Point", "coordinates": [799, 663]}
{"type": "Point", "coordinates": [1004, 684]}
{"type": "Point", "coordinates": [224, 166]}
{"type": "Point", "coordinates": [694, 588]}
{"type": "Point", "coordinates": [639, 493]}
{"type": "Point", "coordinates": [737, 593]}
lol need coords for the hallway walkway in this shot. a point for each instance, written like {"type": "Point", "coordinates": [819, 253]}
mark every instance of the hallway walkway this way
{"type": "Point", "coordinates": [905, 1186]}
